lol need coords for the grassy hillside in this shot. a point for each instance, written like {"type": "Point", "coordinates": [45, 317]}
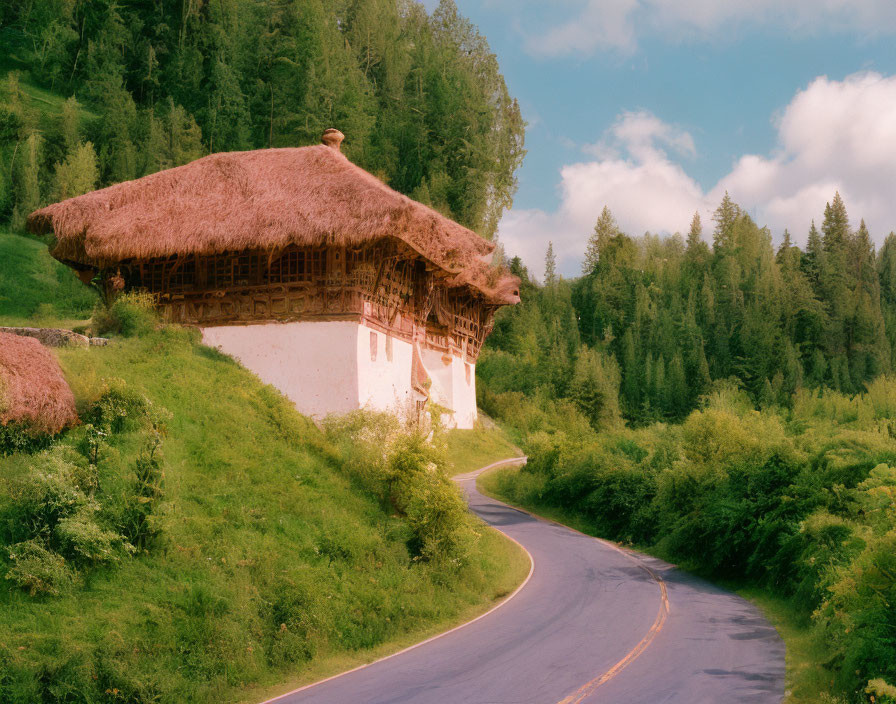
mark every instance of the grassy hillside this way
{"type": "Point", "coordinates": [276, 564]}
{"type": "Point", "coordinates": [35, 289]}
{"type": "Point", "coordinates": [471, 449]}
{"type": "Point", "coordinates": [40, 102]}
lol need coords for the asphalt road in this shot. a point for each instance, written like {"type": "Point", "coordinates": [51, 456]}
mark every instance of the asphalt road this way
{"type": "Point", "coordinates": [593, 624]}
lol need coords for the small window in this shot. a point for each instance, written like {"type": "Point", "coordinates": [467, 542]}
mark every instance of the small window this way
{"type": "Point", "coordinates": [372, 346]}
{"type": "Point", "coordinates": [389, 347]}
{"type": "Point", "coordinates": [468, 373]}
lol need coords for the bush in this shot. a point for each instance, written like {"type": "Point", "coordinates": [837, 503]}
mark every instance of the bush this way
{"type": "Point", "coordinates": [48, 494]}
{"type": "Point", "coordinates": [858, 617]}
{"type": "Point", "coordinates": [119, 408]}
{"type": "Point", "coordinates": [365, 442]}
{"type": "Point", "coordinates": [52, 506]}
{"type": "Point", "coordinates": [434, 509]}
{"type": "Point", "coordinates": [139, 519]}
{"type": "Point", "coordinates": [131, 314]}
{"type": "Point", "coordinates": [805, 505]}
{"type": "Point", "coordinates": [20, 437]}
{"type": "Point", "coordinates": [55, 512]}
{"type": "Point", "coordinates": [828, 542]}
{"type": "Point", "coordinates": [36, 569]}
{"type": "Point", "coordinates": [296, 618]}
{"type": "Point", "coordinates": [405, 470]}
{"type": "Point", "coordinates": [80, 536]}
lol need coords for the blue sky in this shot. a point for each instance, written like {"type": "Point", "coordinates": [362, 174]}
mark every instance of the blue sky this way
{"type": "Point", "coordinates": [655, 107]}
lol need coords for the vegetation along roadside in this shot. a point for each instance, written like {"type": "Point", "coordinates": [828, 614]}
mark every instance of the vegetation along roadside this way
{"type": "Point", "coordinates": [730, 409]}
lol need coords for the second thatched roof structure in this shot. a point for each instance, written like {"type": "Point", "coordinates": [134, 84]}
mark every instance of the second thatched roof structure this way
{"type": "Point", "coordinates": [265, 199]}
{"type": "Point", "coordinates": [33, 390]}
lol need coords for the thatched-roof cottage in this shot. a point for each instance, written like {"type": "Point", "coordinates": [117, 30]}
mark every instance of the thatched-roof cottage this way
{"type": "Point", "coordinates": [33, 391]}
{"type": "Point", "coordinates": [311, 271]}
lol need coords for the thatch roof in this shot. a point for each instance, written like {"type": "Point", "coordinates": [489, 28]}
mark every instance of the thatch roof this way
{"type": "Point", "coordinates": [32, 388]}
{"type": "Point", "coordinates": [264, 199]}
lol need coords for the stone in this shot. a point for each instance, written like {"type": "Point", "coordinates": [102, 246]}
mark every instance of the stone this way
{"type": "Point", "coordinates": [51, 337]}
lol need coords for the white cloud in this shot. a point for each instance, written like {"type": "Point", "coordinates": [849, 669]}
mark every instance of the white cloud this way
{"type": "Point", "coordinates": [600, 23]}
{"type": "Point", "coordinates": [618, 24]}
{"type": "Point", "coordinates": [834, 135]}
{"type": "Point", "coordinates": [633, 174]}
{"type": "Point", "coordinates": [644, 136]}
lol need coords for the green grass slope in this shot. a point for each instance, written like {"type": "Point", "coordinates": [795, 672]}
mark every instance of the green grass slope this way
{"type": "Point", "coordinates": [274, 568]}
{"type": "Point", "coordinates": [469, 450]}
{"type": "Point", "coordinates": [35, 289]}
{"type": "Point", "coordinates": [40, 103]}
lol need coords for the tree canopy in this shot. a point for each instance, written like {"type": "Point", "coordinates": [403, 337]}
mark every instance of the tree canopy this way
{"type": "Point", "coordinates": [419, 96]}
{"type": "Point", "coordinates": [670, 318]}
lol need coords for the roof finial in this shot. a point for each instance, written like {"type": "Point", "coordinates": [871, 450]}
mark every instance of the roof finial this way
{"type": "Point", "coordinates": [332, 138]}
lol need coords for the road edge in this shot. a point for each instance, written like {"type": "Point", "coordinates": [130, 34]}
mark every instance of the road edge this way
{"type": "Point", "coordinates": [665, 609]}
{"type": "Point", "coordinates": [458, 478]}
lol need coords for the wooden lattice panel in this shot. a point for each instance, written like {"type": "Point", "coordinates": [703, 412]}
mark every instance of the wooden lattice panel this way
{"type": "Point", "coordinates": [383, 285]}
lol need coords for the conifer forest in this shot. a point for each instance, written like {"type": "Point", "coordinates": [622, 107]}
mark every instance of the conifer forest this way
{"type": "Point", "coordinates": [663, 319]}
{"type": "Point", "coordinates": [152, 85]}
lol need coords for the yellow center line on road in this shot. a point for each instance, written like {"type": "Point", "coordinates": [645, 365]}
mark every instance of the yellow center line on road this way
{"type": "Point", "coordinates": [587, 689]}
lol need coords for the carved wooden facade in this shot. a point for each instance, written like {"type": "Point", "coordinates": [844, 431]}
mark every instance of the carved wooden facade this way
{"type": "Point", "coordinates": [385, 285]}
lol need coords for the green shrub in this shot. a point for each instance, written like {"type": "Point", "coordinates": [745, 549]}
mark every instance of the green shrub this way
{"type": "Point", "coordinates": [877, 497]}
{"type": "Point", "coordinates": [37, 569]}
{"type": "Point", "coordinates": [430, 501]}
{"type": "Point", "coordinates": [296, 620]}
{"type": "Point", "coordinates": [131, 314]}
{"type": "Point", "coordinates": [119, 408]}
{"type": "Point", "coordinates": [800, 501]}
{"type": "Point", "coordinates": [55, 501]}
{"type": "Point", "coordinates": [713, 436]}
{"type": "Point", "coordinates": [135, 313]}
{"type": "Point", "coordinates": [48, 494]}
{"type": "Point", "coordinates": [81, 537]}
{"type": "Point", "coordinates": [827, 542]}
{"type": "Point", "coordinates": [139, 521]}
{"type": "Point", "coordinates": [365, 440]}
{"type": "Point", "coordinates": [858, 617]}
{"type": "Point", "coordinates": [727, 395]}
{"type": "Point", "coordinates": [52, 506]}
{"type": "Point", "coordinates": [406, 471]}
{"type": "Point", "coordinates": [20, 437]}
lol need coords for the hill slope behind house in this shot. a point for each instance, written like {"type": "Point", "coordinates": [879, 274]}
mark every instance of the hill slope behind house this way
{"type": "Point", "coordinates": [274, 565]}
{"type": "Point", "coordinates": [468, 450]}
{"type": "Point", "coordinates": [35, 289]}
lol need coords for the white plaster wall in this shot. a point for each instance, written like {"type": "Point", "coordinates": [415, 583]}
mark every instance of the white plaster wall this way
{"type": "Point", "coordinates": [450, 387]}
{"type": "Point", "coordinates": [327, 367]}
{"type": "Point", "coordinates": [465, 394]}
{"type": "Point", "coordinates": [315, 365]}
{"type": "Point", "coordinates": [384, 384]}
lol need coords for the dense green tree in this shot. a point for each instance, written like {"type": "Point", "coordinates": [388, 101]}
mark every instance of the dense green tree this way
{"type": "Point", "coordinates": [419, 96]}
{"type": "Point", "coordinates": [680, 317]}
{"type": "Point", "coordinates": [595, 387]}
{"type": "Point", "coordinates": [604, 229]}
{"type": "Point", "coordinates": [550, 266]}
{"type": "Point", "coordinates": [27, 182]}
{"type": "Point", "coordinates": [78, 173]}
{"type": "Point", "coordinates": [725, 217]}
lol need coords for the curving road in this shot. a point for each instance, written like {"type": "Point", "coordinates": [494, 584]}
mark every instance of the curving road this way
{"type": "Point", "coordinates": [593, 624]}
